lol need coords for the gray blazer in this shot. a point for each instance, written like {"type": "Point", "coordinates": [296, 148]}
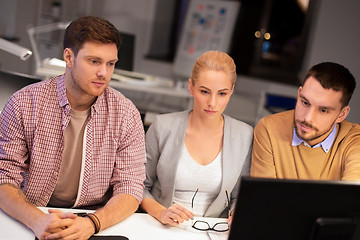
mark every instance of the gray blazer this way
{"type": "Point", "coordinates": [164, 140]}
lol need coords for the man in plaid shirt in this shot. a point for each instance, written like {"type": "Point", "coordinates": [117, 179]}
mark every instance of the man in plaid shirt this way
{"type": "Point", "coordinates": [74, 142]}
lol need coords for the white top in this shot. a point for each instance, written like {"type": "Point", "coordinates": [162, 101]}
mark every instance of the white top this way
{"type": "Point", "coordinates": [67, 186]}
{"type": "Point", "coordinates": [191, 176]}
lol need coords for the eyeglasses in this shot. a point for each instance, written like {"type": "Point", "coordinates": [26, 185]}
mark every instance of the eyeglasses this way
{"type": "Point", "coordinates": [205, 226]}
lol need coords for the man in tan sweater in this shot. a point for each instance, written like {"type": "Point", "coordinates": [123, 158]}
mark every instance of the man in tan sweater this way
{"type": "Point", "coordinates": [314, 141]}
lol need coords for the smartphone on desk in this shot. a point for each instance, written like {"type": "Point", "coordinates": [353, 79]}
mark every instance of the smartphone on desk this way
{"type": "Point", "coordinates": [108, 238]}
{"type": "Point", "coordinates": [104, 238]}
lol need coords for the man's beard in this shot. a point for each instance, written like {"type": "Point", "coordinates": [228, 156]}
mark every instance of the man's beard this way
{"type": "Point", "coordinates": [316, 133]}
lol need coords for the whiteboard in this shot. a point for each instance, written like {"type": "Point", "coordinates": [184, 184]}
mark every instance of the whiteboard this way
{"type": "Point", "coordinates": [209, 25]}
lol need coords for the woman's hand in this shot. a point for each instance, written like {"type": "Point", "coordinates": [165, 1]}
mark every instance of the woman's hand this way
{"type": "Point", "coordinates": [229, 220]}
{"type": "Point", "coordinates": [175, 214]}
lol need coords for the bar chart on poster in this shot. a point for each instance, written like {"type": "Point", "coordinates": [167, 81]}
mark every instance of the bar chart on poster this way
{"type": "Point", "coordinates": [208, 26]}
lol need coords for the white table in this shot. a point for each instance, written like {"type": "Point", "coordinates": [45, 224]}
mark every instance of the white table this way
{"type": "Point", "coordinates": [137, 226]}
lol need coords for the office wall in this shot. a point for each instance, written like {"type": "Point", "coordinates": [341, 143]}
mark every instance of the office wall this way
{"type": "Point", "coordinates": [136, 17]}
{"type": "Point", "coordinates": [15, 17]}
{"type": "Point", "coordinates": [335, 37]}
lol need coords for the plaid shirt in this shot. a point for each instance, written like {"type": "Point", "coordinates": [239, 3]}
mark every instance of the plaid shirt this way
{"type": "Point", "coordinates": [32, 126]}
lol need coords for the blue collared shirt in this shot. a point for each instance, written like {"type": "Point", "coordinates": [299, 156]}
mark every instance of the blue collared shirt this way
{"type": "Point", "coordinates": [326, 144]}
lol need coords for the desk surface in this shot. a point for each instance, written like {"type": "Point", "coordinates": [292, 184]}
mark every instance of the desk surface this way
{"type": "Point", "coordinates": [137, 226]}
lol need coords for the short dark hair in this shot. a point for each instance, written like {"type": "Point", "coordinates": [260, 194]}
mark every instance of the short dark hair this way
{"type": "Point", "coordinates": [90, 29]}
{"type": "Point", "coordinates": [334, 76]}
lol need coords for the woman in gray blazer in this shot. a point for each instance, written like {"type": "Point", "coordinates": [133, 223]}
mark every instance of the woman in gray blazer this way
{"type": "Point", "coordinates": [195, 158]}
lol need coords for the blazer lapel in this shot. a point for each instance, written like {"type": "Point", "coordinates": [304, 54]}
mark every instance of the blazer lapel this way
{"type": "Point", "coordinates": [173, 159]}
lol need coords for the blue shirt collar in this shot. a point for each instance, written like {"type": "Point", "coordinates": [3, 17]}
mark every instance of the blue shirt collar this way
{"type": "Point", "coordinates": [326, 144]}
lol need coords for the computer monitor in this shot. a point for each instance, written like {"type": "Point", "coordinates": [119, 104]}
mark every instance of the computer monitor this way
{"type": "Point", "coordinates": [126, 52]}
{"type": "Point", "coordinates": [296, 210]}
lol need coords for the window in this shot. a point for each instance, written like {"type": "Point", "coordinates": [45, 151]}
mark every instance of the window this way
{"type": "Point", "coordinates": [269, 38]}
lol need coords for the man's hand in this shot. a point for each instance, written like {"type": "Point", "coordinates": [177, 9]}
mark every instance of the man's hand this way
{"type": "Point", "coordinates": [41, 225]}
{"type": "Point", "coordinates": [175, 214]}
{"type": "Point", "coordinates": [66, 225]}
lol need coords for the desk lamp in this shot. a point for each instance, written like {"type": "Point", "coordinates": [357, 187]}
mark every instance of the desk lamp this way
{"type": "Point", "coordinates": [15, 49]}
{"type": "Point", "coordinates": [49, 66]}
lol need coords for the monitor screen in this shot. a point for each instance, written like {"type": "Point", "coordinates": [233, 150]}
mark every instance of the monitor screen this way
{"type": "Point", "coordinates": [296, 209]}
{"type": "Point", "coordinates": [126, 52]}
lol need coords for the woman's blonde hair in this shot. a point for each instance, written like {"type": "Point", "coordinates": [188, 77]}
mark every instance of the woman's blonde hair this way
{"type": "Point", "coordinates": [214, 61]}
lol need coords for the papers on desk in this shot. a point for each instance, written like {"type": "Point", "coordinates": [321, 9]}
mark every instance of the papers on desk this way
{"type": "Point", "coordinates": [218, 235]}
{"type": "Point", "coordinates": [54, 63]}
{"type": "Point", "coordinates": [50, 67]}
{"type": "Point", "coordinates": [142, 79]}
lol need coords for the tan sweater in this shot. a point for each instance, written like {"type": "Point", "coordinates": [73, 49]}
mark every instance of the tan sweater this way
{"type": "Point", "coordinates": [273, 155]}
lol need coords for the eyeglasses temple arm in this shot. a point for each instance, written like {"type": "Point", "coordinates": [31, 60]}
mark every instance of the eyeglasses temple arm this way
{"type": "Point", "coordinates": [228, 203]}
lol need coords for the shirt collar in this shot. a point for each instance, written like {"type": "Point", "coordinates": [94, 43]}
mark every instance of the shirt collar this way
{"type": "Point", "coordinates": [325, 145]}
{"type": "Point", "coordinates": [61, 91]}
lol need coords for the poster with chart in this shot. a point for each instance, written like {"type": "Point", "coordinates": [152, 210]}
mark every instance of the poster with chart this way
{"type": "Point", "coordinates": [209, 25]}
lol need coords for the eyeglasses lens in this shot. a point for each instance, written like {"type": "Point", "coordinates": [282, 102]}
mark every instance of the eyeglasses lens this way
{"type": "Point", "coordinates": [221, 227]}
{"type": "Point", "coordinates": [201, 225]}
